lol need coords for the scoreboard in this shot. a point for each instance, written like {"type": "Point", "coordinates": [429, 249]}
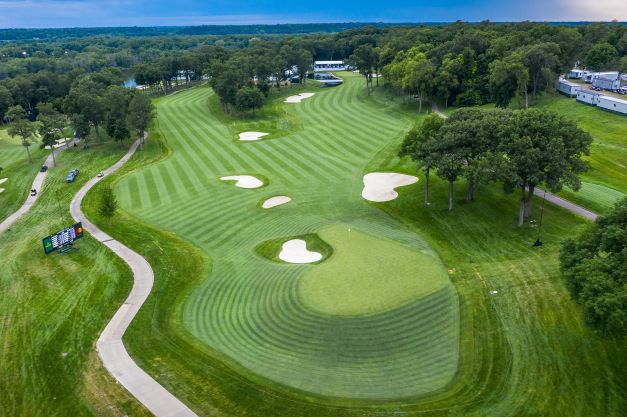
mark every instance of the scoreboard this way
{"type": "Point", "coordinates": [63, 238]}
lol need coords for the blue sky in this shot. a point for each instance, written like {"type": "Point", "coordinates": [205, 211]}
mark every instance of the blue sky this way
{"type": "Point", "coordinates": [72, 13]}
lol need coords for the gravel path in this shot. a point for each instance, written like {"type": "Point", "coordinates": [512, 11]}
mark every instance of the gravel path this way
{"type": "Point", "coordinates": [572, 207]}
{"type": "Point", "coordinates": [37, 185]}
{"type": "Point", "coordinates": [110, 347]}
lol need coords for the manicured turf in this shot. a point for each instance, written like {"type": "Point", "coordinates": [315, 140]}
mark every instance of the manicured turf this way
{"type": "Point", "coordinates": [249, 309]}
{"type": "Point", "coordinates": [52, 308]}
{"type": "Point", "coordinates": [524, 351]}
{"type": "Point", "coordinates": [368, 275]}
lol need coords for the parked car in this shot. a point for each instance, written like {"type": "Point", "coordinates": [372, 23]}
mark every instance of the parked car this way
{"type": "Point", "coordinates": [44, 168]}
{"type": "Point", "coordinates": [71, 176]}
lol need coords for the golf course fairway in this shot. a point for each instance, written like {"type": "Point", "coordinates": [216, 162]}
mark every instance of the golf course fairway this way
{"type": "Point", "coordinates": [343, 328]}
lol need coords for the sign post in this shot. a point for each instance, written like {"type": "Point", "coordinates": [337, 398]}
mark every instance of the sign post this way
{"type": "Point", "coordinates": [62, 240]}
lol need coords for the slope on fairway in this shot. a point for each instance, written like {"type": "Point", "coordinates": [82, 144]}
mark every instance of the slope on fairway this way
{"type": "Point", "coordinates": [368, 275]}
{"type": "Point", "coordinates": [249, 309]}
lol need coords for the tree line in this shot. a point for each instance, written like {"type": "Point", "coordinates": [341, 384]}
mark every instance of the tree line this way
{"type": "Point", "coordinates": [93, 104]}
{"type": "Point", "coordinates": [520, 149]}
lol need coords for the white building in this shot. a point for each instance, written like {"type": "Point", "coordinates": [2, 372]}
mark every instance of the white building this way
{"type": "Point", "coordinates": [608, 74]}
{"type": "Point", "coordinates": [568, 88]}
{"type": "Point", "coordinates": [329, 66]}
{"type": "Point", "coordinates": [576, 73]}
{"type": "Point", "coordinates": [615, 105]}
{"type": "Point", "coordinates": [588, 97]}
{"type": "Point", "coordinates": [607, 83]}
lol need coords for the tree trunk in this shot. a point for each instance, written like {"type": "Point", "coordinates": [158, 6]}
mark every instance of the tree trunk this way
{"type": "Point", "coordinates": [535, 87]}
{"type": "Point", "coordinates": [30, 159]}
{"type": "Point", "coordinates": [521, 213]}
{"type": "Point", "coordinates": [450, 195]}
{"type": "Point", "coordinates": [367, 84]}
{"type": "Point", "coordinates": [526, 99]}
{"type": "Point", "coordinates": [529, 202]}
{"type": "Point", "coordinates": [377, 78]}
{"type": "Point", "coordinates": [427, 186]}
{"type": "Point", "coordinates": [470, 194]}
{"type": "Point", "coordinates": [420, 103]}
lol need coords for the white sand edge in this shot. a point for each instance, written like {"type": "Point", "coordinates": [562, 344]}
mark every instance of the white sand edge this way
{"type": "Point", "coordinates": [379, 186]}
{"type": "Point", "coordinates": [1, 190]}
{"type": "Point", "coordinates": [295, 252]}
{"type": "Point", "coordinates": [276, 201]}
{"type": "Point", "coordinates": [3, 180]}
{"type": "Point", "coordinates": [244, 181]}
{"type": "Point", "coordinates": [250, 136]}
{"type": "Point", "coordinates": [298, 98]}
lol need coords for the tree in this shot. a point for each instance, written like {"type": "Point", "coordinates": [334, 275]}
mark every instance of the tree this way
{"type": "Point", "coordinates": [364, 59]}
{"type": "Point", "coordinates": [20, 126]}
{"type": "Point", "coordinates": [117, 113]}
{"type": "Point", "coordinates": [600, 56]}
{"type": "Point", "coordinates": [141, 111]}
{"type": "Point", "coordinates": [51, 125]}
{"type": "Point", "coordinates": [542, 147]}
{"type": "Point", "coordinates": [508, 78]}
{"type": "Point", "coordinates": [594, 267]}
{"type": "Point", "coordinates": [249, 98]}
{"type": "Point", "coordinates": [622, 66]}
{"type": "Point", "coordinates": [418, 76]}
{"type": "Point", "coordinates": [542, 62]}
{"type": "Point", "coordinates": [473, 134]}
{"type": "Point", "coordinates": [6, 100]}
{"type": "Point", "coordinates": [108, 203]}
{"type": "Point", "coordinates": [418, 145]}
{"type": "Point", "coordinates": [449, 166]}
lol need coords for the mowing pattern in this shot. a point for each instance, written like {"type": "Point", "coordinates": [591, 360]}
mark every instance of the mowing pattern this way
{"type": "Point", "coordinates": [248, 309]}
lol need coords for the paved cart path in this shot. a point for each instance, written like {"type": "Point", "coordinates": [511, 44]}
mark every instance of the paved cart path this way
{"type": "Point", "coordinates": [37, 185]}
{"type": "Point", "coordinates": [110, 347]}
{"type": "Point", "coordinates": [572, 207]}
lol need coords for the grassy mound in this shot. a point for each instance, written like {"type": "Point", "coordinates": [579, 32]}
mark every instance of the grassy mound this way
{"type": "Point", "coordinates": [270, 249]}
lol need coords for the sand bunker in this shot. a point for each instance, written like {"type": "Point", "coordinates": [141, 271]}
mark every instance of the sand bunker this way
{"type": "Point", "coordinates": [1, 190]}
{"type": "Point", "coordinates": [276, 201]}
{"type": "Point", "coordinates": [244, 181]}
{"type": "Point", "coordinates": [2, 180]}
{"type": "Point", "coordinates": [248, 136]}
{"type": "Point", "coordinates": [298, 98]}
{"type": "Point", "coordinates": [379, 186]}
{"type": "Point", "coordinates": [295, 252]}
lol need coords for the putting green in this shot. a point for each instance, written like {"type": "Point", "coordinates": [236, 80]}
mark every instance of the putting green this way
{"type": "Point", "coordinates": [252, 311]}
{"type": "Point", "coordinates": [369, 275]}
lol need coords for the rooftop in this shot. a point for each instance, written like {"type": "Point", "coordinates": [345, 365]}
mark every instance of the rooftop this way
{"type": "Point", "coordinates": [614, 99]}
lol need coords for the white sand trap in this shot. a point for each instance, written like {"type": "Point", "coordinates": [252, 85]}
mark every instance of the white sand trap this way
{"type": "Point", "coordinates": [3, 180]}
{"type": "Point", "coordinates": [298, 98]}
{"type": "Point", "coordinates": [244, 181]}
{"type": "Point", "coordinates": [246, 136]}
{"type": "Point", "coordinates": [1, 190]}
{"type": "Point", "coordinates": [276, 201]}
{"type": "Point", "coordinates": [379, 186]}
{"type": "Point", "coordinates": [295, 252]}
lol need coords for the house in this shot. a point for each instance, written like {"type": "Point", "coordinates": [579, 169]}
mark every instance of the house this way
{"type": "Point", "coordinates": [576, 73]}
{"type": "Point", "coordinates": [589, 78]}
{"type": "Point", "coordinates": [615, 105]}
{"type": "Point", "coordinates": [588, 97]}
{"type": "Point", "coordinates": [329, 66]}
{"type": "Point", "coordinates": [607, 83]}
{"type": "Point", "coordinates": [568, 88]}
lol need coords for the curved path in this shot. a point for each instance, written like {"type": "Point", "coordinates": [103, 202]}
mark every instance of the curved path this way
{"type": "Point", "coordinates": [37, 185]}
{"type": "Point", "coordinates": [110, 347]}
{"type": "Point", "coordinates": [563, 203]}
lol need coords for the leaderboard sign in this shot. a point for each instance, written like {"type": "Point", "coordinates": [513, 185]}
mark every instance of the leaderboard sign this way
{"type": "Point", "coordinates": [63, 238]}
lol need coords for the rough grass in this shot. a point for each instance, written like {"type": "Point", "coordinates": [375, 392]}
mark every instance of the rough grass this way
{"type": "Point", "coordinates": [270, 249]}
{"type": "Point", "coordinates": [53, 307]}
{"type": "Point", "coordinates": [606, 181]}
{"type": "Point", "coordinates": [369, 275]}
